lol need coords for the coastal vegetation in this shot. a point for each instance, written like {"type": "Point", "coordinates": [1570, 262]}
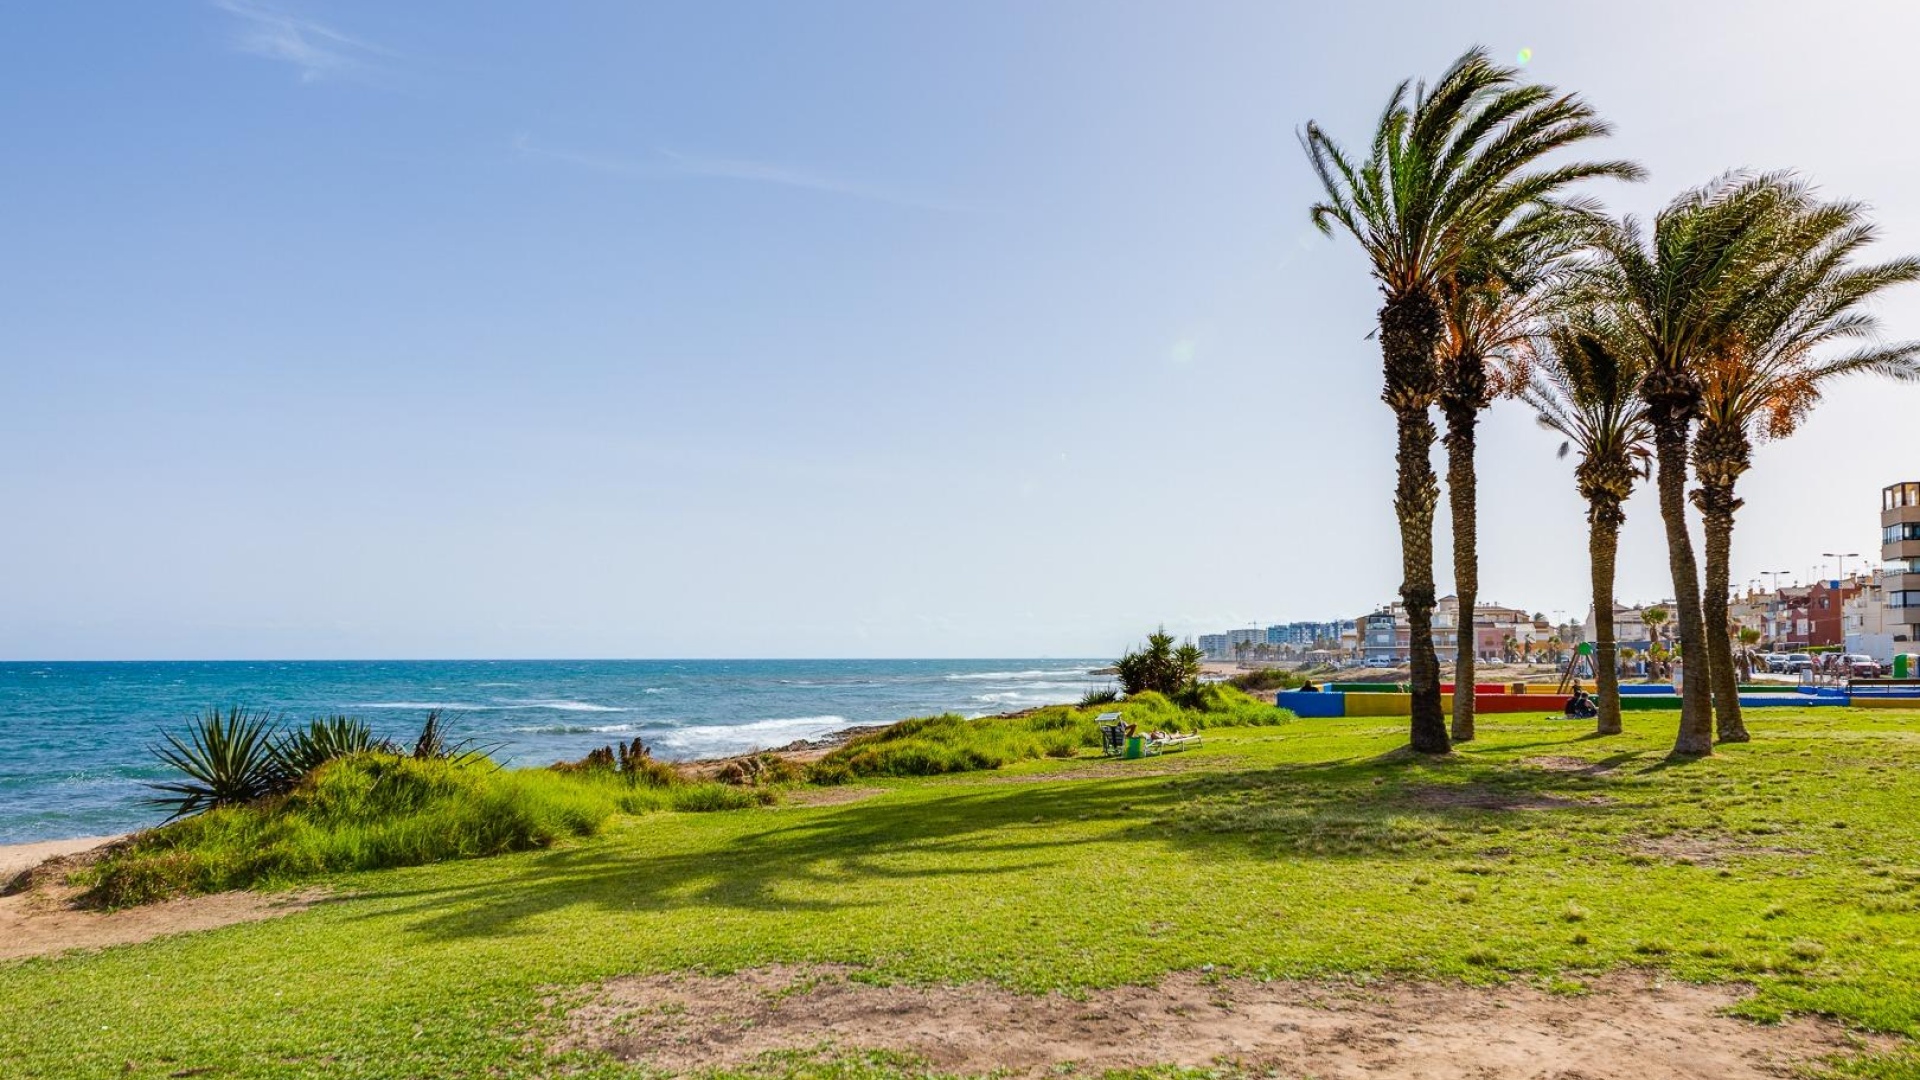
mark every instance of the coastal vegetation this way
{"type": "Point", "coordinates": [930, 746]}
{"type": "Point", "coordinates": [258, 807]}
{"type": "Point", "coordinates": [1720, 318]}
{"type": "Point", "coordinates": [371, 810]}
{"type": "Point", "coordinates": [1532, 857]}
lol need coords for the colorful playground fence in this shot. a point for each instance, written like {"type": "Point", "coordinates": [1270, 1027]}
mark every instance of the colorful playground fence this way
{"type": "Point", "coordinates": [1391, 699]}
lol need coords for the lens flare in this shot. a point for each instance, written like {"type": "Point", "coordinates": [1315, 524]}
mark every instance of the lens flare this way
{"type": "Point", "coordinates": [1525, 57]}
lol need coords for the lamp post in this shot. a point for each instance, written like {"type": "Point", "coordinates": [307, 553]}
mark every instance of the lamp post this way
{"type": "Point", "coordinates": [1840, 561]}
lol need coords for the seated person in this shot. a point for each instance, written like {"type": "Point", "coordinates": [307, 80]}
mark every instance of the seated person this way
{"type": "Point", "coordinates": [1308, 687]}
{"type": "Point", "coordinates": [1581, 707]}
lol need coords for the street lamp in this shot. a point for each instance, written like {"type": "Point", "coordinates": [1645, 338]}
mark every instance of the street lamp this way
{"type": "Point", "coordinates": [1840, 561]}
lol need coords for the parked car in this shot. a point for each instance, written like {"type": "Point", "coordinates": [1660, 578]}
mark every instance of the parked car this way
{"type": "Point", "coordinates": [1775, 662]}
{"type": "Point", "coordinates": [1797, 663]}
{"type": "Point", "coordinates": [1861, 666]}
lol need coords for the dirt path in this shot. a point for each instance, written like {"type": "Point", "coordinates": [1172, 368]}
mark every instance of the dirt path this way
{"type": "Point", "coordinates": [37, 924]}
{"type": "Point", "coordinates": [41, 916]}
{"type": "Point", "coordinates": [1632, 1026]}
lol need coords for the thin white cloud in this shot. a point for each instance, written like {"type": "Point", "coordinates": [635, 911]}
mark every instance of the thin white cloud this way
{"type": "Point", "coordinates": [318, 51]}
{"type": "Point", "coordinates": [667, 162]}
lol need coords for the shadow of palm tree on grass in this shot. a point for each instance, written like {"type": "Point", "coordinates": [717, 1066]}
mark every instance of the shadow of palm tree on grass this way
{"type": "Point", "coordinates": [869, 853]}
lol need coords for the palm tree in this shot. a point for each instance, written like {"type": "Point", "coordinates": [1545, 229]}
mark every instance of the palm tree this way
{"type": "Point", "coordinates": [1656, 619]}
{"type": "Point", "coordinates": [1446, 168]}
{"type": "Point", "coordinates": [1590, 394]}
{"type": "Point", "coordinates": [1749, 637]}
{"type": "Point", "coordinates": [1679, 295]}
{"type": "Point", "coordinates": [1491, 306]}
{"type": "Point", "coordinates": [1764, 379]}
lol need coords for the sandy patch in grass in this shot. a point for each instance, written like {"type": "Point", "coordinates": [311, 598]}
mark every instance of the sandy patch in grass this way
{"type": "Point", "coordinates": [1563, 763]}
{"type": "Point", "coordinates": [40, 913]}
{"type": "Point", "coordinates": [1631, 1026]}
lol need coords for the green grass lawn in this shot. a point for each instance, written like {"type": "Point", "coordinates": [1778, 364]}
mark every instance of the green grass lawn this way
{"type": "Point", "coordinates": [1300, 850]}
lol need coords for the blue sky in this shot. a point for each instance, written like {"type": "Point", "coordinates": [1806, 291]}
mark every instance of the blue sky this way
{"type": "Point", "coordinates": [350, 329]}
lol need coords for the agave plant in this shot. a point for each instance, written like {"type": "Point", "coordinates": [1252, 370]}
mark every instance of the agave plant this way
{"type": "Point", "coordinates": [324, 738]}
{"type": "Point", "coordinates": [227, 760]}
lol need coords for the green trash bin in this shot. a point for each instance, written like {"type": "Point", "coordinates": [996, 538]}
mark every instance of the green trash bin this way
{"type": "Point", "coordinates": [1136, 747]}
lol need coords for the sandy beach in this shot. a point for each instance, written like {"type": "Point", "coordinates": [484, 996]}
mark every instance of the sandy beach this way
{"type": "Point", "coordinates": [15, 858]}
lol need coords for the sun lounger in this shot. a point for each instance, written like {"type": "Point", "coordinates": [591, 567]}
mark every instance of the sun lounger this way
{"type": "Point", "coordinates": [1174, 742]}
{"type": "Point", "coordinates": [1116, 743]}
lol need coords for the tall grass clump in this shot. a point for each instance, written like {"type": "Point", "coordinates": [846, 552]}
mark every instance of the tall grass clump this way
{"type": "Point", "coordinates": [373, 810]}
{"type": "Point", "coordinates": [933, 745]}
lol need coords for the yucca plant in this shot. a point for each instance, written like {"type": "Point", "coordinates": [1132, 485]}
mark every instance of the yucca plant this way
{"type": "Point", "coordinates": [227, 760]}
{"type": "Point", "coordinates": [432, 745]}
{"type": "Point", "coordinates": [324, 738]}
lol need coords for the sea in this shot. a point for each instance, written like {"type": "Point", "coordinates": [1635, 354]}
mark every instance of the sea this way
{"type": "Point", "coordinates": [75, 737]}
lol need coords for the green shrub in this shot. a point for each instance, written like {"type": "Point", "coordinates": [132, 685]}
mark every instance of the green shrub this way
{"type": "Point", "coordinates": [933, 745]}
{"type": "Point", "coordinates": [1159, 666]}
{"type": "Point", "coordinates": [1266, 679]}
{"type": "Point", "coordinates": [374, 810]}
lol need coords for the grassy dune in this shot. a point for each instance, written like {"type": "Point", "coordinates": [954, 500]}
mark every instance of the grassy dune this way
{"type": "Point", "coordinates": [1299, 850]}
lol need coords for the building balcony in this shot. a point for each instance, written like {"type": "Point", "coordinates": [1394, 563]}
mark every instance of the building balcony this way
{"type": "Point", "coordinates": [1900, 522]}
{"type": "Point", "coordinates": [1900, 599]}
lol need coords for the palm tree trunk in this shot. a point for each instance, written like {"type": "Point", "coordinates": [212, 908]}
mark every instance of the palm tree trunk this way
{"type": "Point", "coordinates": [1696, 705]}
{"type": "Point", "coordinates": [1603, 545]}
{"type": "Point", "coordinates": [1413, 504]}
{"type": "Point", "coordinates": [1717, 506]}
{"type": "Point", "coordinates": [1409, 329]}
{"type": "Point", "coordinates": [1461, 417]}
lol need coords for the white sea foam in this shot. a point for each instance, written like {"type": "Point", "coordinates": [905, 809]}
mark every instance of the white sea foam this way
{"type": "Point", "coordinates": [1035, 673]}
{"type": "Point", "coordinates": [1022, 697]}
{"type": "Point", "coordinates": [558, 705]}
{"type": "Point", "coordinates": [444, 706]}
{"type": "Point", "coordinates": [714, 739]}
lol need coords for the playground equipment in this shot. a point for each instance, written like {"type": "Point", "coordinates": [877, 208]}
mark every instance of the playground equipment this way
{"type": "Point", "coordinates": [1580, 663]}
{"type": "Point", "coordinates": [1391, 699]}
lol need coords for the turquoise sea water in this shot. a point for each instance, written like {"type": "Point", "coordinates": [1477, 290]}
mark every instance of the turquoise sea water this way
{"type": "Point", "coordinates": [73, 736]}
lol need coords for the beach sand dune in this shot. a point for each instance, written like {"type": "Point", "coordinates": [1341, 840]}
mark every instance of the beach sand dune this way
{"type": "Point", "coordinates": [39, 913]}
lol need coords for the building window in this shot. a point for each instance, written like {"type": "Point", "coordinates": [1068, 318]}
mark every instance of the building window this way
{"type": "Point", "coordinates": [1894, 534]}
{"type": "Point", "coordinates": [1903, 598]}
